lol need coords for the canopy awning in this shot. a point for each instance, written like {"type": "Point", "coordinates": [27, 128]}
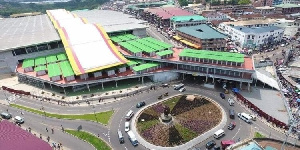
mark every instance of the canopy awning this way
{"type": "Point", "coordinates": [188, 43]}
{"type": "Point", "coordinates": [177, 38]}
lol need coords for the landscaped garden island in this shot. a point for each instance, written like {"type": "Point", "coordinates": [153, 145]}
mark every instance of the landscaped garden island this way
{"type": "Point", "coordinates": [192, 115]}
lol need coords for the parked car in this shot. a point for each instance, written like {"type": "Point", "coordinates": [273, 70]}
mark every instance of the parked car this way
{"type": "Point", "coordinates": [222, 95]}
{"type": "Point", "coordinates": [19, 119]}
{"type": "Point", "coordinates": [5, 115]}
{"type": "Point", "coordinates": [230, 101]}
{"type": "Point", "coordinates": [165, 85]}
{"type": "Point", "coordinates": [182, 89]}
{"type": "Point", "coordinates": [231, 126]}
{"type": "Point", "coordinates": [140, 104]}
{"type": "Point", "coordinates": [210, 144]}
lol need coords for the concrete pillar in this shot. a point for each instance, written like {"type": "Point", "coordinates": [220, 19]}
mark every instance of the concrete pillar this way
{"type": "Point", "coordinates": [142, 80]}
{"type": "Point", "coordinates": [206, 78]}
{"type": "Point", "coordinates": [242, 74]}
{"type": "Point", "coordinates": [183, 76]}
{"type": "Point", "coordinates": [241, 83]}
{"type": "Point", "coordinates": [215, 70]}
{"type": "Point", "coordinates": [177, 66]}
{"type": "Point", "coordinates": [213, 79]}
{"type": "Point", "coordinates": [255, 82]}
{"type": "Point", "coordinates": [88, 87]}
{"type": "Point", "coordinates": [48, 46]}
{"type": "Point", "coordinates": [44, 85]}
{"type": "Point", "coordinates": [64, 91]}
{"type": "Point", "coordinates": [50, 85]}
{"type": "Point", "coordinates": [102, 86]}
{"type": "Point", "coordinates": [116, 84]}
{"type": "Point", "coordinates": [248, 87]}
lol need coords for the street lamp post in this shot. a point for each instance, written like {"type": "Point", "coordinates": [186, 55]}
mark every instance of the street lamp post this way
{"type": "Point", "coordinates": [93, 106]}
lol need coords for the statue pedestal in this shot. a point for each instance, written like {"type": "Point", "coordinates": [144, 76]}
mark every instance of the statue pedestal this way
{"type": "Point", "coordinates": [166, 120]}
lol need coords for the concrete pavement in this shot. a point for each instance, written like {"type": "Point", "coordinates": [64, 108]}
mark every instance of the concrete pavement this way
{"type": "Point", "coordinates": [117, 121]}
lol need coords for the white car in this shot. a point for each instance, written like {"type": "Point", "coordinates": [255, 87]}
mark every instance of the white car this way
{"type": "Point", "coordinates": [230, 101]}
{"type": "Point", "coordinates": [127, 126]}
{"type": "Point", "coordinates": [182, 89]}
{"type": "Point", "coordinates": [19, 119]}
{"type": "Point", "coordinates": [253, 117]}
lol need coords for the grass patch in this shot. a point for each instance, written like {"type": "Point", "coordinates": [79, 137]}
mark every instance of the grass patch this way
{"type": "Point", "coordinates": [185, 133]}
{"type": "Point", "coordinates": [258, 135]}
{"type": "Point", "coordinates": [101, 117]}
{"type": "Point", "coordinates": [96, 142]}
{"type": "Point", "coordinates": [142, 126]}
{"type": "Point", "coordinates": [172, 102]}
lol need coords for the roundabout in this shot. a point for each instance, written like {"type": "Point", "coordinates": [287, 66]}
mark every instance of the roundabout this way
{"type": "Point", "coordinates": [190, 118]}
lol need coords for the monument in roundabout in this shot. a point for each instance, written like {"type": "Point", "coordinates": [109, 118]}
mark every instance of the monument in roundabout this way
{"type": "Point", "coordinates": [178, 120]}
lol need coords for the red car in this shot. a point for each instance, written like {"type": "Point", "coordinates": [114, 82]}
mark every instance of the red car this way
{"type": "Point", "coordinates": [231, 126]}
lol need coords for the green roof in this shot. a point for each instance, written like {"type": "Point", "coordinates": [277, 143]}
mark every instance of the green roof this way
{"type": "Point", "coordinates": [51, 59]}
{"type": "Point", "coordinates": [202, 32]}
{"type": "Point", "coordinates": [40, 61]}
{"type": "Point", "coordinates": [40, 68]}
{"type": "Point", "coordinates": [61, 57]}
{"type": "Point", "coordinates": [287, 6]}
{"type": "Point", "coordinates": [53, 70]}
{"type": "Point", "coordinates": [153, 46]}
{"type": "Point", "coordinates": [115, 39]}
{"type": "Point", "coordinates": [157, 42]}
{"type": "Point", "coordinates": [145, 66]}
{"type": "Point", "coordinates": [130, 47]}
{"type": "Point", "coordinates": [187, 18]}
{"type": "Point", "coordinates": [213, 55]}
{"type": "Point", "coordinates": [141, 46]}
{"type": "Point", "coordinates": [131, 63]}
{"type": "Point", "coordinates": [66, 68]}
{"type": "Point", "coordinates": [28, 63]}
{"type": "Point", "coordinates": [163, 53]}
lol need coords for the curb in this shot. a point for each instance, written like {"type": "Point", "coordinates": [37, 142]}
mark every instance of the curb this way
{"type": "Point", "coordinates": [87, 141]}
{"type": "Point", "coordinates": [65, 118]}
{"type": "Point", "coordinates": [146, 144]}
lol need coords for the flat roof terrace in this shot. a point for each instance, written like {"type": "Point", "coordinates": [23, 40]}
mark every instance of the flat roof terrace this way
{"type": "Point", "coordinates": [111, 21]}
{"type": "Point", "coordinates": [26, 31]}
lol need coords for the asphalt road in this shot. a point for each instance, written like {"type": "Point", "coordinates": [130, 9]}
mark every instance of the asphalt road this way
{"type": "Point", "coordinates": [109, 133]}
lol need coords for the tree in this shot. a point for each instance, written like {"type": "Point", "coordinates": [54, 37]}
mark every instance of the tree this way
{"type": "Point", "coordinates": [183, 2]}
{"type": "Point", "coordinates": [244, 2]}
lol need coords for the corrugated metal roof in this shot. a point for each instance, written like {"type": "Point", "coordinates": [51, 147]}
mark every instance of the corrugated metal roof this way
{"type": "Point", "coordinates": [202, 32]}
{"type": "Point", "coordinates": [188, 18]}
{"type": "Point", "coordinates": [14, 137]}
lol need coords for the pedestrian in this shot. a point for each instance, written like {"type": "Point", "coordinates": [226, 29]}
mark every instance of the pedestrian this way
{"type": "Point", "coordinates": [52, 130]}
{"type": "Point", "coordinates": [98, 135]}
{"type": "Point", "coordinates": [48, 138]}
{"type": "Point", "coordinates": [46, 129]}
{"type": "Point", "coordinates": [7, 110]}
{"type": "Point", "coordinates": [40, 136]}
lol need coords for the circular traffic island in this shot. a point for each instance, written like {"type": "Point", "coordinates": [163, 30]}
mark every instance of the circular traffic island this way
{"type": "Point", "coordinates": [178, 120]}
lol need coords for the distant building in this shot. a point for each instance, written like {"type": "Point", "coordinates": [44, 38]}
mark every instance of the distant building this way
{"type": "Point", "coordinates": [215, 16]}
{"type": "Point", "coordinates": [277, 2]}
{"type": "Point", "coordinates": [287, 8]}
{"type": "Point", "coordinates": [225, 26]}
{"type": "Point", "coordinates": [203, 36]}
{"type": "Point", "coordinates": [265, 10]}
{"type": "Point", "coordinates": [185, 21]}
{"type": "Point", "coordinates": [255, 36]}
{"type": "Point", "coordinates": [161, 15]}
{"type": "Point", "coordinates": [251, 17]}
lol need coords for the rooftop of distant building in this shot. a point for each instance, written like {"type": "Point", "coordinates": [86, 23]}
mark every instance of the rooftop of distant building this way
{"type": "Point", "coordinates": [188, 18]}
{"type": "Point", "coordinates": [256, 29]}
{"type": "Point", "coordinates": [202, 32]}
{"type": "Point", "coordinates": [287, 6]}
{"type": "Point", "coordinates": [251, 22]}
{"type": "Point", "coordinates": [264, 7]}
{"type": "Point", "coordinates": [168, 12]}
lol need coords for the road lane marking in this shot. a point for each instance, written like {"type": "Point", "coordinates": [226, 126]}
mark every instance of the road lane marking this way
{"type": "Point", "coordinates": [238, 129]}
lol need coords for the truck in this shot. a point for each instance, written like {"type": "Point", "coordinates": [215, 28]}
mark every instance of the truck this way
{"type": "Point", "coordinates": [226, 143]}
{"type": "Point", "coordinates": [132, 138]}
